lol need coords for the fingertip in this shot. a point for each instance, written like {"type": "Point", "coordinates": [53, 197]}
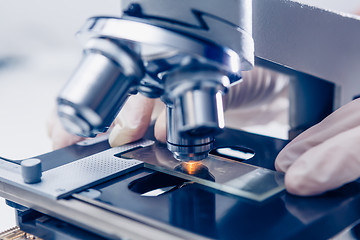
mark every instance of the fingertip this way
{"type": "Point", "coordinates": [160, 127]}
{"type": "Point", "coordinates": [133, 120]}
{"type": "Point", "coordinates": [298, 182]}
{"type": "Point", "coordinates": [120, 136]}
{"type": "Point", "coordinates": [277, 166]}
{"type": "Point", "coordinates": [61, 139]}
{"type": "Point", "coordinates": [294, 186]}
{"type": "Point", "coordinates": [284, 159]}
{"type": "Point", "coordinates": [114, 139]}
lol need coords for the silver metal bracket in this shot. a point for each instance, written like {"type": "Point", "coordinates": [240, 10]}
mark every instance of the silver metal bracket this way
{"type": "Point", "coordinates": [81, 174]}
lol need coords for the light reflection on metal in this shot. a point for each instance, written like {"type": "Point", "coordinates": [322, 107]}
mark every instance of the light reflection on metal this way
{"type": "Point", "coordinates": [241, 154]}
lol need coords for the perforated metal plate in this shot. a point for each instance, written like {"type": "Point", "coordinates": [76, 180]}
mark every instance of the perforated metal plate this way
{"type": "Point", "coordinates": [78, 175]}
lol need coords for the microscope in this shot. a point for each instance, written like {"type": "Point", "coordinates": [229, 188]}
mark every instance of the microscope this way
{"type": "Point", "coordinates": [189, 54]}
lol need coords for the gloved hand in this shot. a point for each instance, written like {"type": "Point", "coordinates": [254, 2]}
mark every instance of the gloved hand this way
{"type": "Point", "coordinates": [59, 136]}
{"type": "Point", "coordinates": [325, 156]}
{"type": "Point", "coordinates": [130, 124]}
{"type": "Point", "coordinates": [132, 121]}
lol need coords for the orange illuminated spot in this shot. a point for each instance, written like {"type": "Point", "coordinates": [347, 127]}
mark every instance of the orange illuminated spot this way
{"type": "Point", "coordinates": [192, 167]}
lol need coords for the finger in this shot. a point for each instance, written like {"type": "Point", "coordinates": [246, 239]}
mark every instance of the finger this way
{"type": "Point", "coordinates": [132, 121]}
{"type": "Point", "coordinates": [344, 118]}
{"type": "Point", "coordinates": [60, 137]}
{"type": "Point", "coordinates": [160, 127]}
{"type": "Point", "coordinates": [327, 166]}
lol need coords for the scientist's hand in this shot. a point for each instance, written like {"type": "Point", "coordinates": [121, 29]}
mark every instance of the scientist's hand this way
{"type": "Point", "coordinates": [58, 135]}
{"type": "Point", "coordinates": [325, 156]}
{"type": "Point", "coordinates": [130, 124]}
{"type": "Point", "coordinates": [134, 119]}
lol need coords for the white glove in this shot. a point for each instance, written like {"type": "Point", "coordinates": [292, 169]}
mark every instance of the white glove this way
{"type": "Point", "coordinates": [59, 136]}
{"type": "Point", "coordinates": [130, 124]}
{"type": "Point", "coordinates": [325, 156]}
{"type": "Point", "coordinates": [132, 121]}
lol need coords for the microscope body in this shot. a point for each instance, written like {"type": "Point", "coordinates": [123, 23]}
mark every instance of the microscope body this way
{"type": "Point", "coordinates": [188, 53]}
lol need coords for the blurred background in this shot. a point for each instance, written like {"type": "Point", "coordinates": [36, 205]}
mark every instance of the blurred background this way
{"type": "Point", "coordinates": [38, 52]}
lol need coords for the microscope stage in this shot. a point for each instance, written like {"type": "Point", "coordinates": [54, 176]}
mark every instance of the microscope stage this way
{"type": "Point", "coordinates": [157, 198]}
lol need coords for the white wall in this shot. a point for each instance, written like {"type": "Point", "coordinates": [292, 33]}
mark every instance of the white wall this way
{"type": "Point", "coordinates": [348, 6]}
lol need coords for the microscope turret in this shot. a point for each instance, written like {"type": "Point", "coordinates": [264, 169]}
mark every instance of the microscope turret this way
{"type": "Point", "coordinates": [186, 52]}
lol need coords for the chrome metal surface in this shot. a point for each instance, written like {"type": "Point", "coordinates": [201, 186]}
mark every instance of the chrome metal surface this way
{"type": "Point", "coordinates": [91, 99]}
{"type": "Point", "coordinates": [195, 93]}
{"type": "Point", "coordinates": [195, 114]}
{"type": "Point", "coordinates": [185, 149]}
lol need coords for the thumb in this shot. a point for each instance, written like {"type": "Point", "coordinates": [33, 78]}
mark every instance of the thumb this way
{"type": "Point", "coordinates": [132, 121]}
